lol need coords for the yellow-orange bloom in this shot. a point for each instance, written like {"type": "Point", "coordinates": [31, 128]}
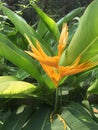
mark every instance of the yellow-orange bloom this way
{"type": "Point", "coordinates": [51, 64]}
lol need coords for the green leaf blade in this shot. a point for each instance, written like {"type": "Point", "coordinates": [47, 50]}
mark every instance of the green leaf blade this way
{"type": "Point", "coordinates": [7, 78]}
{"type": "Point", "coordinates": [50, 23]}
{"type": "Point", "coordinates": [22, 26]}
{"type": "Point", "coordinates": [77, 118]}
{"type": "Point", "coordinates": [16, 120]}
{"type": "Point", "coordinates": [86, 32]}
{"type": "Point", "coordinates": [70, 16]}
{"type": "Point", "coordinates": [93, 89]}
{"type": "Point", "coordinates": [18, 89]}
{"type": "Point", "coordinates": [20, 23]}
{"type": "Point", "coordinates": [40, 119]}
{"type": "Point", "coordinates": [18, 57]}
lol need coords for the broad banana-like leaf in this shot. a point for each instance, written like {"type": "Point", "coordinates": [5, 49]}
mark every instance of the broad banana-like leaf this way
{"type": "Point", "coordinates": [18, 89]}
{"type": "Point", "coordinates": [50, 23]}
{"type": "Point", "coordinates": [93, 89]}
{"type": "Point", "coordinates": [85, 40]}
{"type": "Point", "coordinates": [16, 119]}
{"type": "Point", "coordinates": [22, 26]}
{"type": "Point", "coordinates": [74, 116]}
{"type": "Point", "coordinates": [78, 118]}
{"type": "Point", "coordinates": [7, 78]}
{"type": "Point", "coordinates": [39, 119]}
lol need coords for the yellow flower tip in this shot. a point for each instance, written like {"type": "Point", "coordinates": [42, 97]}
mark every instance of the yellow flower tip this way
{"type": "Point", "coordinates": [50, 64]}
{"type": "Point", "coordinates": [63, 39]}
{"type": "Point", "coordinates": [76, 62]}
{"type": "Point", "coordinates": [30, 43]}
{"type": "Point", "coordinates": [49, 61]}
{"type": "Point", "coordinates": [40, 49]}
{"type": "Point", "coordinates": [55, 78]}
{"type": "Point", "coordinates": [40, 55]}
{"type": "Point", "coordinates": [52, 73]}
{"type": "Point", "coordinates": [64, 34]}
{"type": "Point", "coordinates": [87, 65]}
{"type": "Point", "coordinates": [76, 68]}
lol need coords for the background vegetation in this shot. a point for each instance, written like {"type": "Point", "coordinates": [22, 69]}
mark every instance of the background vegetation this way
{"type": "Point", "coordinates": [54, 8]}
{"type": "Point", "coordinates": [33, 111]}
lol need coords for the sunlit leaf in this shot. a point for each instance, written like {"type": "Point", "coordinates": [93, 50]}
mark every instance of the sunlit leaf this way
{"type": "Point", "coordinates": [18, 89]}
{"type": "Point", "coordinates": [7, 78]}
{"type": "Point", "coordinates": [85, 39]}
{"type": "Point", "coordinates": [93, 89]}
{"type": "Point", "coordinates": [48, 37]}
{"type": "Point", "coordinates": [50, 23]}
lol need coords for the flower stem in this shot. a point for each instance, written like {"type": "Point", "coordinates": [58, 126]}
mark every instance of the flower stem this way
{"type": "Point", "coordinates": [56, 100]}
{"type": "Point", "coordinates": [60, 96]}
{"type": "Point", "coordinates": [55, 105]}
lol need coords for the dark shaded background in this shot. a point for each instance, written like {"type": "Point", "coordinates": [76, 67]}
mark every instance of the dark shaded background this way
{"type": "Point", "coordinates": [55, 8]}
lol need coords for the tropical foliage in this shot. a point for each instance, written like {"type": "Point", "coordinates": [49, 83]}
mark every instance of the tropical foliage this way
{"type": "Point", "coordinates": [50, 69]}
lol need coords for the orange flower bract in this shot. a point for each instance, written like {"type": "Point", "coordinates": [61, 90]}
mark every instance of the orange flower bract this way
{"type": "Point", "coordinates": [51, 64]}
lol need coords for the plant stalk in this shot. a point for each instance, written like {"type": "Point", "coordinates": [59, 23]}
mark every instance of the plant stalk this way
{"type": "Point", "coordinates": [56, 100]}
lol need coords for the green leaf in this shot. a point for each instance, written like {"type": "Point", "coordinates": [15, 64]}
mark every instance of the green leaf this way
{"type": "Point", "coordinates": [23, 27]}
{"type": "Point", "coordinates": [17, 119]}
{"type": "Point", "coordinates": [18, 57]}
{"type": "Point", "coordinates": [40, 119]}
{"type": "Point", "coordinates": [21, 59]}
{"type": "Point", "coordinates": [19, 23]}
{"type": "Point", "coordinates": [42, 33]}
{"type": "Point", "coordinates": [40, 29]}
{"type": "Point", "coordinates": [85, 39]}
{"type": "Point", "coordinates": [84, 77]}
{"type": "Point", "coordinates": [48, 37]}
{"type": "Point", "coordinates": [49, 22]}
{"type": "Point", "coordinates": [57, 125]}
{"type": "Point", "coordinates": [70, 16]}
{"type": "Point", "coordinates": [93, 89]}
{"type": "Point", "coordinates": [7, 78]}
{"type": "Point", "coordinates": [91, 51]}
{"type": "Point", "coordinates": [18, 89]}
{"type": "Point", "coordinates": [78, 118]}
{"type": "Point", "coordinates": [21, 74]}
